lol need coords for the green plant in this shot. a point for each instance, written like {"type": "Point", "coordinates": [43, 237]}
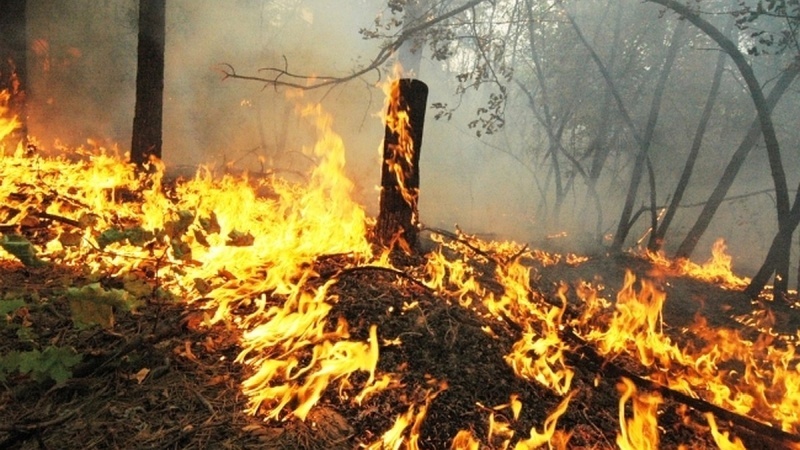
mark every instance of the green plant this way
{"type": "Point", "coordinates": [94, 305]}
{"type": "Point", "coordinates": [53, 363]}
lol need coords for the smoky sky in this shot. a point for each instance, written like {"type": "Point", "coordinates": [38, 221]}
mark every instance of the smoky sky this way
{"type": "Point", "coordinates": [82, 60]}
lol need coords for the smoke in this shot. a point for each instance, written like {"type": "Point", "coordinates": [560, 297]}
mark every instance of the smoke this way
{"type": "Point", "coordinates": [82, 77]}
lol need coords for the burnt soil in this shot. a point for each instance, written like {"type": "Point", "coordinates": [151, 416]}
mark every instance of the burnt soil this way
{"type": "Point", "coordinates": [158, 379]}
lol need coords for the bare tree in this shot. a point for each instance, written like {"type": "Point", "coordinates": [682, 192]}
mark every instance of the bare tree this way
{"type": "Point", "coordinates": [777, 261]}
{"type": "Point", "coordinates": [658, 234]}
{"type": "Point", "coordinates": [645, 142]}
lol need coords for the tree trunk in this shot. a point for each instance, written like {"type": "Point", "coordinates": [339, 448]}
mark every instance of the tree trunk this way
{"type": "Point", "coordinates": [778, 255]}
{"type": "Point", "coordinates": [398, 215]}
{"type": "Point", "coordinates": [756, 94]}
{"type": "Point", "coordinates": [147, 120]}
{"type": "Point", "coordinates": [13, 65]}
{"type": "Point", "coordinates": [781, 255]}
{"type": "Point", "coordinates": [625, 224]}
{"type": "Point", "coordinates": [732, 169]}
{"type": "Point", "coordinates": [657, 238]}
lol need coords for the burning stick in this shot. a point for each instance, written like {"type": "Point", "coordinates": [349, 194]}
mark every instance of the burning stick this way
{"type": "Point", "coordinates": [405, 117]}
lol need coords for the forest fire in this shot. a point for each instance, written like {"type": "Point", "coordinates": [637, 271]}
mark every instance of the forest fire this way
{"type": "Point", "coordinates": [718, 269]}
{"type": "Point", "coordinates": [324, 319]}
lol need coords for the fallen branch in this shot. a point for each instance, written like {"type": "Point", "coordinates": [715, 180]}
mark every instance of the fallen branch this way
{"type": "Point", "coordinates": [56, 218]}
{"type": "Point", "coordinates": [583, 352]}
{"type": "Point", "coordinates": [455, 237]}
{"type": "Point", "coordinates": [36, 426]}
{"type": "Point", "coordinates": [93, 366]}
{"type": "Point", "coordinates": [398, 273]}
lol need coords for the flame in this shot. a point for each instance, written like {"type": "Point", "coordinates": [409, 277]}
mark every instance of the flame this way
{"type": "Point", "coordinates": [549, 435]}
{"type": "Point", "coordinates": [397, 119]}
{"type": "Point", "coordinates": [500, 433]}
{"type": "Point", "coordinates": [225, 235]}
{"type": "Point", "coordinates": [465, 440]}
{"type": "Point", "coordinates": [243, 250]}
{"type": "Point", "coordinates": [766, 388]}
{"type": "Point", "coordinates": [721, 438]}
{"type": "Point", "coordinates": [7, 124]}
{"type": "Point", "coordinates": [718, 269]}
{"type": "Point", "coordinates": [399, 435]}
{"type": "Point", "coordinates": [637, 322]}
{"type": "Point", "coordinates": [640, 432]}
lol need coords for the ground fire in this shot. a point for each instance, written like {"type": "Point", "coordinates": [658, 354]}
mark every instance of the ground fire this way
{"type": "Point", "coordinates": [218, 311]}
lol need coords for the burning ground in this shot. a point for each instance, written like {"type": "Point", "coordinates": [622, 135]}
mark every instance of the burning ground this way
{"type": "Point", "coordinates": [227, 312]}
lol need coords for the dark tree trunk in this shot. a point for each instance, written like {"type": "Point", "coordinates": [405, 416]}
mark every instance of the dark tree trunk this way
{"type": "Point", "coordinates": [779, 259]}
{"type": "Point", "coordinates": [13, 64]}
{"type": "Point", "coordinates": [777, 256]}
{"type": "Point", "coordinates": [625, 222]}
{"type": "Point", "coordinates": [147, 120]}
{"type": "Point", "coordinates": [764, 118]}
{"type": "Point", "coordinates": [732, 169]}
{"type": "Point", "coordinates": [398, 214]}
{"type": "Point", "coordinates": [657, 238]}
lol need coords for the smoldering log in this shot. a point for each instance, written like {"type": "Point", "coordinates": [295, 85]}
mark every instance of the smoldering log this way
{"type": "Point", "coordinates": [398, 215]}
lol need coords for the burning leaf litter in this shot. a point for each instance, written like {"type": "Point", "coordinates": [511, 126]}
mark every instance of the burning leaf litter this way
{"type": "Point", "coordinates": [457, 348]}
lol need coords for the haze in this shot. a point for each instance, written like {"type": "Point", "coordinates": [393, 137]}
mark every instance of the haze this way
{"type": "Point", "coordinates": [82, 79]}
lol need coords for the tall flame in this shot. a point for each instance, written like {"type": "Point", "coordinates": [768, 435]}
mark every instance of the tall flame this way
{"type": "Point", "coordinates": [640, 432]}
{"type": "Point", "coordinates": [7, 124]}
{"type": "Point", "coordinates": [397, 119]}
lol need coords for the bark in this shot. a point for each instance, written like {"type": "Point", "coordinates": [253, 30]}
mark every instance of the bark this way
{"type": "Point", "coordinates": [599, 148]}
{"type": "Point", "coordinates": [756, 94]}
{"type": "Point", "coordinates": [778, 254]}
{"type": "Point", "coordinates": [553, 136]}
{"type": "Point", "coordinates": [625, 224]}
{"type": "Point", "coordinates": [398, 213]}
{"type": "Point", "coordinates": [147, 121]}
{"type": "Point", "coordinates": [13, 64]}
{"type": "Point", "coordinates": [732, 169]}
{"type": "Point", "coordinates": [657, 238]}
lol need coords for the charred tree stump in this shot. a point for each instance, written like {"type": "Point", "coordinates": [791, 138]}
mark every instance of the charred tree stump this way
{"type": "Point", "coordinates": [149, 107]}
{"type": "Point", "coordinates": [13, 66]}
{"type": "Point", "coordinates": [405, 117]}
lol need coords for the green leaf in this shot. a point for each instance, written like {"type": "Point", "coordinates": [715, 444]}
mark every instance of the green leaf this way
{"type": "Point", "coordinates": [238, 239]}
{"type": "Point", "coordinates": [176, 228]}
{"type": "Point", "coordinates": [54, 363]}
{"type": "Point", "coordinates": [136, 236]}
{"type": "Point", "coordinates": [22, 249]}
{"type": "Point", "coordinates": [94, 305]}
{"type": "Point", "coordinates": [8, 306]}
{"type": "Point", "coordinates": [109, 237]}
{"type": "Point", "coordinates": [9, 363]}
{"type": "Point", "coordinates": [57, 363]}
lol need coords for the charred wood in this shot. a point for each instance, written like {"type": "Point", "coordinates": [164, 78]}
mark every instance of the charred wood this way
{"type": "Point", "coordinates": [398, 215]}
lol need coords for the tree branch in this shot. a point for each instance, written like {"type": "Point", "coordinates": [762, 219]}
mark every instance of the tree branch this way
{"type": "Point", "coordinates": [309, 82]}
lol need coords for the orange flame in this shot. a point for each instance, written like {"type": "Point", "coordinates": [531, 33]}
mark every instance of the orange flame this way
{"type": "Point", "coordinates": [7, 124]}
{"type": "Point", "coordinates": [397, 120]}
{"type": "Point", "coordinates": [549, 434]}
{"type": "Point", "coordinates": [721, 438]}
{"type": "Point", "coordinates": [640, 432]}
{"type": "Point", "coordinates": [718, 269]}
{"type": "Point", "coordinates": [399, 435]}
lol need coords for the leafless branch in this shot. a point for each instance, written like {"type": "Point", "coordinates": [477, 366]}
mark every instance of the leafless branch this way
{"type": "Point", "coordinates": [278, 77]}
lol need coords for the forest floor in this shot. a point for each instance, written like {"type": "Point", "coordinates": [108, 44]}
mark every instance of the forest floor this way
{"type": "Point", "coordinates": [159, 379]}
